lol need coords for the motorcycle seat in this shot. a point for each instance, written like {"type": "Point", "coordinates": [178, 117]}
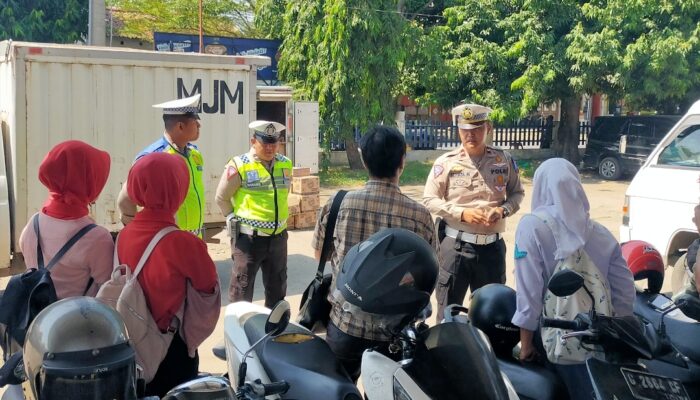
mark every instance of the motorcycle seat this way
{"type": "Point", "coordinates": [308, 365]}
{"type": "Point", "coordinates": [533, 381]}
{"type": "Point", "coordinates": [680, 330]}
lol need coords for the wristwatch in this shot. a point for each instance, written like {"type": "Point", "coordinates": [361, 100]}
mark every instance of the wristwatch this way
{"type": "Point", "coordinates": [506, 211]}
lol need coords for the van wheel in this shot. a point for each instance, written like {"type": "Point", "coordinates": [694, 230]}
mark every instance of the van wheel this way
{"type": "Point", "coordinates": [610, 168]}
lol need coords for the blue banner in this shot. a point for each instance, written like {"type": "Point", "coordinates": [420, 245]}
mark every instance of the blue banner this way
{"type": "Point", "coordinates": [186, 43]}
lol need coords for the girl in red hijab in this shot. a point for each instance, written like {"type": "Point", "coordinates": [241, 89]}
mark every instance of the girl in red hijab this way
{"type": "Point", "coordinates": [75, 173]}
{"type": "Point", "coordinates": [158, 182]}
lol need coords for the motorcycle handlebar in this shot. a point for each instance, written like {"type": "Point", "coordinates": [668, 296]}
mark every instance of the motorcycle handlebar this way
{"type": "Point", "coordinates": [275, 388]}
{"type": "Point", "coordinates": [258, 391]}
{"type": "Point", "coordinates": [562, 324]}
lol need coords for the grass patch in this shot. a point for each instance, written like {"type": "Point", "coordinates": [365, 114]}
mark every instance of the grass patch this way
{"type": "Point", "coordinates": [527, 167]}
{"type": "Point", "coordinates": [415, 173]}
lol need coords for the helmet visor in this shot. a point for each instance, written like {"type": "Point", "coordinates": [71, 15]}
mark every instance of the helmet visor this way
{"type": "Point", "coordinates": [107, 373]}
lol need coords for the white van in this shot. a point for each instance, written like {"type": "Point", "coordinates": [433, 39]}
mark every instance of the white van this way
{"type": "Point", "coordinates": [660, 199]}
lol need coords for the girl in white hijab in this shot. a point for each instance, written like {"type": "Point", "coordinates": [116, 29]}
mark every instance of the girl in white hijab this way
{"type": "Point", "coordinates": [558, 194]}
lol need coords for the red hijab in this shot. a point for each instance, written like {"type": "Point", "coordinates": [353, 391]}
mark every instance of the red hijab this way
{"type": "Point", "coordinates": [75, 173]}
{"type": "Point", "coordinates": [158, 182]}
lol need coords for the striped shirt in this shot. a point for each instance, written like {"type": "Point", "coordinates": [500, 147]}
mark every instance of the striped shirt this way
{"type": "Point", "coordinates": [362, 213]}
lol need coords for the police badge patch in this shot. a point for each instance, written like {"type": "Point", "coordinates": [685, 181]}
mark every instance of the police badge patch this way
{"type": "Point", "coordinates": [252, 176]}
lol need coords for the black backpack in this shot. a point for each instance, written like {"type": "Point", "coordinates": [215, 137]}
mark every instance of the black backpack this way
{"type": "Point", "coordinates": [29, 293]}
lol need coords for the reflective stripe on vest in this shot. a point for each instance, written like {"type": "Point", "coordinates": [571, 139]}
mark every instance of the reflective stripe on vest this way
{"type": "Point", "coordinates": [190, 215]}
{"type": "Point", "coordinates": [261, 201]}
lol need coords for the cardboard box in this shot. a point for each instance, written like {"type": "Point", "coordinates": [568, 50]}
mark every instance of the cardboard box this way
{"type": "Point", "coordinates": [294, 203]}
{"type": "Point", "coordinates": [305, 184]}
{"type": "Point", "coordinates": [310, 202]}
{"type": "Point", "coordinates": [305, 220]}
{"type": "Point", "coordinates": [301, 171]}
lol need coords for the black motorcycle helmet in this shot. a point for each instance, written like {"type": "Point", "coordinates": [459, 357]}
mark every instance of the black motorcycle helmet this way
{"type": "Point", "coordinates": [393, 272]}
{"type": "Point", "coordinates": [491, 309]}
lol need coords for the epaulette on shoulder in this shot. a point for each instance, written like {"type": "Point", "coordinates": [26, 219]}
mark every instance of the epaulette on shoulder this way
{"type": "Point", "coordinates": [245, 159]}
{"type": "Point", "coordinates": [496, 149]}
{"type": "Point", "coordinates": [279, 157]}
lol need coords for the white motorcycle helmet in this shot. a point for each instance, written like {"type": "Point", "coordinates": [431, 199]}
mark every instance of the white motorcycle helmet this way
{"type": "Point", "coordinates": [78, 348]}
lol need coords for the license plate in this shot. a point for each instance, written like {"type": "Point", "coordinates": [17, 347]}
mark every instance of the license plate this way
{"type": "Point", "coordinates": [646, 386]}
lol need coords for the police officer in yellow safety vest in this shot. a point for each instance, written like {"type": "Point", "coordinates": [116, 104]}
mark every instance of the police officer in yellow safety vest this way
{"type": "Point", "coordinates": [252, 194]}
{"type": "Point", "coordinates": [181, 120]}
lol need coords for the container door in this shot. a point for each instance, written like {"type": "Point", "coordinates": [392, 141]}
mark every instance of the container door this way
{"type": "Point", "coordinates": [306, 135]}
{"type": "Point", "coordinates": [6, 227]}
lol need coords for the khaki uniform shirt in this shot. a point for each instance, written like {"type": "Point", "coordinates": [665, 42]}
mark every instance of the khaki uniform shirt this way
{"type": "Point", "coordinates": [457, 182]}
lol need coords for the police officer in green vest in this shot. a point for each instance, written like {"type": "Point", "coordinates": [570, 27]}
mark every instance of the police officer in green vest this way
{"type": "Point", "coordinates": [252, 194]}
{"type": "Point", "coordinates": [181, 120]}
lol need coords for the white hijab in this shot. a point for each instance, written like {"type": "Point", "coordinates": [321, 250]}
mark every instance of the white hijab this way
{"type": "Point", "coordinates": [557, 191]}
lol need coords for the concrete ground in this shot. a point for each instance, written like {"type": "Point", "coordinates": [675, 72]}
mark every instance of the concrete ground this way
{"type": "Point", "coordinates": [605, 197]}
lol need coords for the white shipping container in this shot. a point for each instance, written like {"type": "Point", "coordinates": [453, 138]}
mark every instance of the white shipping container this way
{"type": "Point", "coordinates": [103, 96]}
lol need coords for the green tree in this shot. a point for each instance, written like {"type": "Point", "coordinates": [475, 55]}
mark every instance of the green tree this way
{"type": "Point", "coordinates": [346, 54]}
{"type": "Point", "coordinates": [50, 21]}
{"type": "Point", "coordinates": [511, 56]}
{"type": "Point", "coordinates": [656, 46]}
{"type": "Point", "coordinates": [140, 18]}
{"type": "Point", "coordinates": [514, 55]}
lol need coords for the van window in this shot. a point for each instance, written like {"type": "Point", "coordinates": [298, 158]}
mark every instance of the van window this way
{"type": "Point", "coordinates": [640, 128]}
{"type": "Point", "coordinates": [662, 126]}
{"type": "Point", "coordinates": [608, 128]}
{"type": "Point", "coordinates": [684, 150]}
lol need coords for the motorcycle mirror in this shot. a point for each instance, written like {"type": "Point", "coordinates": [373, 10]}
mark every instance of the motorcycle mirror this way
{"type": "Point", "coordinates": [276, 323]}
{"type": "Point", "coordinates": [278, 319]}
{"type": "Point", "coordinates": [565, 283]}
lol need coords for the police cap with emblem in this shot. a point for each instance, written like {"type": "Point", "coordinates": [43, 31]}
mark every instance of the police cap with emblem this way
{"type": "Point", "coordinates": [188, 106]}
{"type": "Point", "coordinates": [470, 116]}
{"type": "Point", "coordinates": [266, 131]}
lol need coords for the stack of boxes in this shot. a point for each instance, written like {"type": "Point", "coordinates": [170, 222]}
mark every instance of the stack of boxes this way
{"type": "Point", "coordinates": [304, 199]}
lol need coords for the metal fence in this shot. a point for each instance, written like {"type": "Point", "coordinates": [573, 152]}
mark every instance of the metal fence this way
{"type": "Point", "coordinates": [430, 135]}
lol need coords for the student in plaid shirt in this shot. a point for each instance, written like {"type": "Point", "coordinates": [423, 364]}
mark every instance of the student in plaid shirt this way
{"type": "Point", "coordinates": [380, 204]}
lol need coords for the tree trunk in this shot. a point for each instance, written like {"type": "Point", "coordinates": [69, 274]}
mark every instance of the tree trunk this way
{"type": "Point", "coordinates": [400, 6]}
{"type": "Point", "coordinates": [353, 154]}
{"type": "Point", "coordinates": [566, 145]}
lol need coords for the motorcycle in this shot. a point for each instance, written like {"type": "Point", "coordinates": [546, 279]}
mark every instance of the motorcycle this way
{"type": "Point", "coordinates": [677, 322]}
{"type": "Point", "coordinates": [214, 387]}
{"type": "Point", "coordinates": [452, 360]}
{"type": "Point", "coordinates": [624, 341]}
{"type": "Point", "coordinates": [295, 356]}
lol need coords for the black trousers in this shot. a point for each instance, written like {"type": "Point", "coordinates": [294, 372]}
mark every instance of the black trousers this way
{"type": "Point", "coordinates": [251, 253]}
{"type": "Point", "coordinates": [348, 349]}
{"type": "Point", "coordinates": [467, 266]}
{"type": "Point", "coordinates": [177, 367]}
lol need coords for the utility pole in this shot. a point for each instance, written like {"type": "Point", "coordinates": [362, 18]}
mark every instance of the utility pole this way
{"type": "Point", "coordinates": [201, 33]}
{"type": "Point", "coordinates": [96, 23]}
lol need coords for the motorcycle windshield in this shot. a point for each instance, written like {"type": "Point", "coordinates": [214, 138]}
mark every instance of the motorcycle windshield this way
{"type": "Point", "coordinates": [452, 361]}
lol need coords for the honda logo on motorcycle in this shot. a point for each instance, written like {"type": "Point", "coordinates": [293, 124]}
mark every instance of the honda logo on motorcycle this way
{"type": "Point", "coordinates": [352, 292]}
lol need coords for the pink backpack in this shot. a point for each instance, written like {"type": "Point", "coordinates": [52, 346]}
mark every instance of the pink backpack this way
{"type": "Point", "coordinates": [124, 293]}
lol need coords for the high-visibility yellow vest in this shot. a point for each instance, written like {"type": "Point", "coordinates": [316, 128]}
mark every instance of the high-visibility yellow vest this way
{"type": "Point", "coordinates": [190, 215]}
{"type": "Point", "coordinates": [261, 201]}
